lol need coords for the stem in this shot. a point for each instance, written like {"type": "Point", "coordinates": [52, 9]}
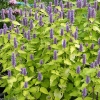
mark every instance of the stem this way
{"type": "Point", "coordinates": [97, 96]}
{"type": "Point", "coordinates": [93, 93]}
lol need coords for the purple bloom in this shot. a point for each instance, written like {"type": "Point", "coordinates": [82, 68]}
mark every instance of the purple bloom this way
{"type": "Point", "coordinates": [31, 57]}
{"type": "Point", "coordinates": [49, 48]}
{"type": "Point", "coordinates": [61, 14]}
{"type": "Point", "coordinates": [87, 79]}
{"type": "Point", "coordinates": [30, 12]}
{"type": "Point", "coordinates": [9, 73]}
{"type": "Point", "coordinates": [92, 65]}
{"type": "Point", "coordinates": [79, 3]}
{"type": "Point", "coordinates": [15, 43]}
{"type": "Point", "coordinates": [51, 18]}
{"type": "Point", "coordinates": [9, 36]}
{"type": "Point", "coordinates": [98, 74]}
{"type": "Point", "coordinates": [51, 33]}
{"type": "Point", "coordinates": [25, 1]}
{"type": "Point", "coordinates": [50, 4]}
{"type": "Point", "coordinates": [81, 48]}
{"type": "Point", "coordinates": [28, 35]}
{"type": "Point", "coordinates": [62, 32]}
{"type": "Point", "coordinates": [41, 6]}
{"type": "Point", "coordinates": [31, 24]}
{"type": "Point", "coordinates": [99, 41]}
{"type": "Point", "coordinates": [25, 84]}
{"type": "Point", "coordinates": [35, 5]}
{"type": "Point", "coordinates": [4, 30]}
{"type": "Point", "coordinates": [22, 47]}
{"type": "Point", "coordinates": [84, 3]}
{"type": "Point", "coordinates": [21, 12]}
{"type": "Point", "coordinates": [10, 15]}
{"type": "Point", "coordinates": [0, 31]}
{"type": "Point", "coordinates": [78, 70]}
{"type": "Point", "coordinates": [84, 92]}
{"type": "Point", "coordinates": [98, 57]}
{"type": "Point", "coordinates": [96, 63]}
{"type": "Point", "coordinates": [34, 35]}
{"type": "Point", "coordinates": [5, 26]}
{"type": "Point", "coordinates": [3, 14]}
{"type": "Point", "coordinates": [56, 2]}
{"type": "Point", "coordinates": [55, 10]}
{"type": "Point", "coordinates": [67, 27]}
{"type": "Point", "coordinates": [23, 71]}
{"type": "Point", "coordinates": [17, 30]}
{"type": "Point", "coordinates": [95, 4]}
{"type": "Point", "coordinates": [25, 22]}
{"type": "Point", "coordinates": [84, 59]}
{"type": "Point", "coordinates": [64, 43]}
{"type": "Point", "coordinates": [55, 55]}
{"type": "Point", "coordinates": [39, 76]}
{"type": "Point", "coordinates": [76, 33]}
{"type": "Point", "coordinates": [40, 21]}
{"type": "Point", "coordinates": [36, 16]}
{"type": "Point", "coordinates": [41, 62]}
{"type": "Point", "coordinates": [13, 59]}
{"type": "Point", "coordinates": [55, 41]}
{"type": "Point", "coordinates": [92, 46]}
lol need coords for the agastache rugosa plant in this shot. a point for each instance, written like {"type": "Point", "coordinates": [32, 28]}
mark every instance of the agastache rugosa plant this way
{"type": "Point", "coordinates": [64, 43]}
{"type": "Point", "coordinates": [55, 55]}
{"type": "Point", "coordinates": [78, 69]}
{"type": "Point", "coordinates": [39, 76]}
{"type": "Point", "coordinates": [13, 59]}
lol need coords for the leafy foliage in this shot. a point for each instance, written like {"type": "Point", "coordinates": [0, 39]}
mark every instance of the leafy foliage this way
{"type": "Point", "coordinates": [38, 67]}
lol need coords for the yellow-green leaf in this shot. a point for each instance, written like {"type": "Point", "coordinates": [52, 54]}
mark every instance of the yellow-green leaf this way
{"type": "Point", "coordinates": [43, 90]}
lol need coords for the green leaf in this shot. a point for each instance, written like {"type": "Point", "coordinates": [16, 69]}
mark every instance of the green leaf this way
{"type": "Point", "coordinates": [21, 52]}
{"type": "Point", "coordinates": [95, 28]}
{"type": "Point", "coordinates": [72, 48]}
{"type": "Point", "coordinates": [79, 98]}
{"type": "Point", "coordinates": [67, 61]}
{"type": "Point", "coordinates": [91, 19]}
{"type": "Point", "coordinates": [15, 23]}
{"type": "Point", "coordinates": [73, 28]}
{"type": "Point", "coordinates": [25, 93]}
{"type": "Point", "coordinates": [88, 98]}
{"type": "Point", "coordinates": [6, 20]}
{"type": "Point", "coordinates": [33, 89]}
{"type": "Point", "coordinates": [43, 90]}
{"type": "Point", "coordinates": [58, 95]}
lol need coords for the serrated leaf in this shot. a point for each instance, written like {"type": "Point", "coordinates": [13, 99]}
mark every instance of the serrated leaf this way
{"type": "Point", "coordinates": [43, 90]}
{"type": "Point", "coordinates": [21, 52]}
{"type": "Point", "coordinates": [95, 28]}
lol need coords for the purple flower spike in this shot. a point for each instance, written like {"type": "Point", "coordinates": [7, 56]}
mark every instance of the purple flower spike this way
{"type": "Point", "coordinates": [9, 36]}
{"type": "Point", "coordinates": [55, 40]}
{"type": "Point", "coordinates": [34, 35]}
{"type": "Point", "coordinates": [13, 59]}
{"type": "Point", "coordinates": [35, 5]}
{"type": "Point", "coordinates": [84, 92]}
{"type": "Point", "coordinates": [81, 48]}
{"type": "Point", "coordinates": [30, 12]}
{"type": "Point", "coordinates": [49, 47]}
{"type": "Point", "coordinates": [87, 79]}
{"type": "Point", "coordinates": [76, 33]}
{"type": "Point", "coordinates": [78, 70]}
{"type": "Point", "coordinates": [98, 74]}
{"type": "Point", "coordinates": [25, 1]}
{"type": "Point", "coordinates": [15, 43]}
{"type": "Point", "coordinates": [39, 76]}
{"type": "Point", "coordinates": [56, 2]}
{"type": "Point", "coordinates": [55, 55]}
{"type": "Point", "coordinates": [3, 14]}
{"type": "Point", "coordinates": [50, 4]}
{"type": "Point", "coordinates": [36, 16]}
{"type": "Point", "coordinates": [84, 59]}
{"type": "Point", "coordinates": [21, 12]}
{"type": "Point", "coordinates": [5, 26]}
{"type": "Point", "coordinates": [31, 24]}
{"type": "Point", "coordinates": [79, 3]}
{"type": "Point", "coordinates": [51, 18]}
{"type": "Point", "coordinates": [23, 71]}
{"type": "Point", "coordinates": [9, 73]}
{"type": "Point", "coordinates": [98, 57]}
{"type": "Point", "coordinates": [95, 4]}
{"type": "Point", "coordinates": [40, 21]}
{"type": "Point", "coordinates": [92, 65]}
{"type": "Point", "coordinates": [31, 57]}
{"type": "Point", "coordinates": [96, 63]}
{"type": "Point", "coordinates": [67, 27]}
{"type": "Point", "coordinates": [64, 43]}
{"type": "Point", "coordinates": [28, 35]}
{"type": "Point", "coordinates": [92, 46]}
{"type": "Point", "coordinates": [10, 15]}
{"type": "Point", "coordinates": [17, 30]}
{"type": "Point", "coordinates": [62, 32]}
{"type": "Point", "coordinates": [61, 14]}
{"type": "Point", "coordinates": [84, 3]}
{"type": "Point", "coordinates": [99, 41]}
{"type": "Point", "coordinates": [25, 22]}
{"type": "Point", "coordinates": [0, 31]}
{"type": "Point", "coordinates": [25, 84]}
{"type": "Point", "coordinates": [41, 62]}
{"type": "Point", "coordinates": [4, 30]}
{"type": "Point", "coordinates": [51, 33]}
